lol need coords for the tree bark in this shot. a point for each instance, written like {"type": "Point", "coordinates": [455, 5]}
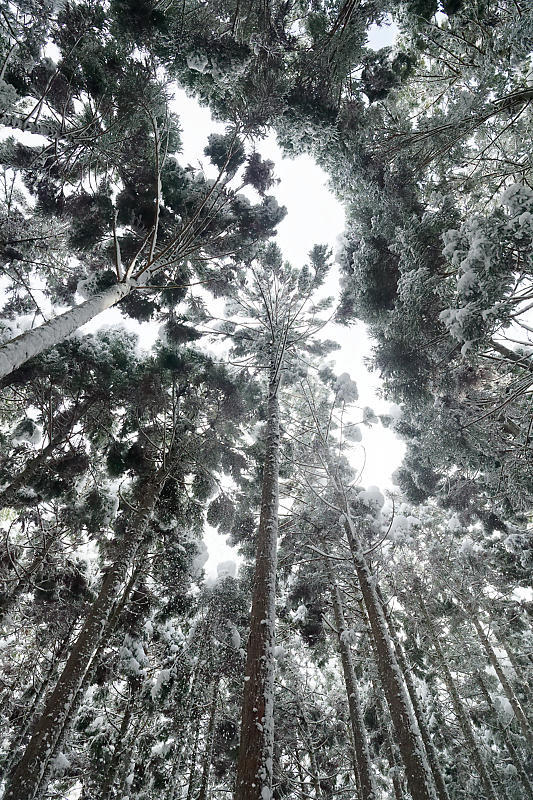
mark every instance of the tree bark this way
{"type": "Point", "coordinates": [502, 677]}
{"type": "Point", "coordinates": [68, 419]}
{"type": "Point", "coordinates": [210, 737]}
{"type": "Point", "coordinates": [30, 343]}
{"type": "Point", "coordinates": [418, 774]}
{"type": "Point", "coordinates": [366, 778]}
{"type": "Point", "coordinates": [440, 786]}
{"type": "Point", "coordinates": [27, 776]}
{"type": "Point", "coordinates": [515, 759]}
{"type": "Point", "coordinates": [254, 766]}
{"type": "Point", "coordinates": [460, 713]}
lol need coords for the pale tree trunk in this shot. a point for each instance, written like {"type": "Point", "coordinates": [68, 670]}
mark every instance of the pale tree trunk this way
{"type": "Point", "coordinates": [517, 762]}
{"type": "Point", "coordinates": [30, 343]}
{"type": "Point", "coordinates": [502, 677]}
{"type": "Point", "coordinates": [210, 738]}
{"type": "Point", "coordinates": [433, 759]}
{"type": "Point", "coordinates": [459, 709]}
{"type": "Point", "coordinates": [364, 769]}
{"type": "Point", "coordinates": [26, 779]}
{"type": "Point", "coordinates": [254, 766]}
{"type": "Point", "coordinates": [418, 774]}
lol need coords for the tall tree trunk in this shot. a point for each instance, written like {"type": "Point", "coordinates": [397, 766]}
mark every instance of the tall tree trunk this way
{"type": "Point", "coordinates": [29, 718]}
{"type": "Point", "coordinates": [254, 766]}
{"type": "Point", "coordinates": [502, 677]}
{"type": "Point", "coordinates": [395, 771]}
{"type": "Point", "coordinates": [121, 743]}
{"type": "Point", "coordinates": [517, 762]}
{"type": "Point", "coordinates": [364, 769]}
{"type": "Point", "coordinates": [314, 772]}
{"type": "Point", "coordinates": [30, 343]}
{"type": "Point", "coordinates": [26, 778]}
{"type": "Point", "coordinates": [460, 713]}
{"type": "Point", "coordinates": [433, 759]}
{"type": "Point", "coordinates": [210, 738]}
{"type": "Point", "coordinates": [194, 756]}
{"type": "Point", "coordinates": [418, 774]}
{"type": "Point", "coordinates": [67, 421]}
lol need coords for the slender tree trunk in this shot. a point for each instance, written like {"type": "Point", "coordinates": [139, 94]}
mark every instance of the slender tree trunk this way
{"type": "Point", "coordinates": [26, 778]}
{"type": "Point", "coordinates": [210, 738]}
{"type": "Point", "coordinates": [517, 762]}
{"type": "Point", "coordinates": [106, 792]}
{"type": "Point", "coordinates": [254, 766]}
{"type": "Point", "coordinates": [418, 774]}
{"type": "Point", "coordinates": [521, 678]}
{"type": "Point", "coordinates": [391, 755]}
{"type": "Point", "coordinates": [31, 467]}
{"type": "Point", "coordinates": [502, 677]}
{"type": "Point", "coordinates": [29, 718]}
{"type": "Point", "coordinates": [310, 747]}
{"type": "Point", "coordinates": [194, 756]}
{"type": "Point", "coordinates": [30, 343]}
{"type": "Point", "coordinates": [368, 788]}
{"type": "Point", "coordinates": [460, 713]}
{"type": "Point", "coordinates": [433, 759]}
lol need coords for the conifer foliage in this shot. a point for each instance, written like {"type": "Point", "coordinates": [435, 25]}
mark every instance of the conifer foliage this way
{"type": "Point", "coordinates": [371, 644]}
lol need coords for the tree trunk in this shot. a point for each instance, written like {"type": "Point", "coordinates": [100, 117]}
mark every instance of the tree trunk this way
{"type": "Point", "coordinates": [27, 777]}
{"type": "Point", "coordinates": [502, 677]}
{"type": "Point", "coordinates": [29, 718]}
{"type": "Point", "coordinates": [460, 713]}
{"type": "Point", "coordinates": [106, 792]}
{"type": "Point", "coordinates": [515, 759]}
{"type": "Point", "coordinates": [194, 756]}
{"type": "Point", "coordinates": [314, 772]}
{"type": "Point", "coordinates": [68, 419]}
{"type": "Point", "coordinates": [391, 755]}
{"type": "Point", "coordinates": [30, 343]}
{"type": "Point", "coordinates": [440, 786]}
{"type": "Point", "coordinates": [210, 737]}
{"type": "Point", "coordinates": [417, 770]}
{"type": "Point", "coordinates": [254, 766]}
{"type": "Point", "coordinates": [364, 769]}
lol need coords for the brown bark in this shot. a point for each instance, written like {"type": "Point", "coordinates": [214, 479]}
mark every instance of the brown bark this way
{"type": "Point", "coordinates": [440, 786]}
{"type": "Point", "coordinates": [26, 779]}
{"type": "Point", "coordinates": [460, 713]}
{"type": "Point", "coordinates": [515, 758]}
{"type": "Point", "coordinates": [254, 766]}
{"type": "Point", "coordinates": [208, 752]}
{"type": "Point", "coordinates": [502, 677]}
{"type": "Point", "coordinates": [364, 769]}
{"type": "Point", "coordinates": [417, 771]}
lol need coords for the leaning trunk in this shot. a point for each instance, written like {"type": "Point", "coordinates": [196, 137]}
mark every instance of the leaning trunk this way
{"type": "Point", "coordinates": [362, 753]}
{"type": "Point", "coordinates": [27, 777]}
{"type": "Point", "coordinates": [417, 770]}
{"type": "Point", "coordinates": [254, 766]}
{"type": "Point", "coordinates": [29, 344]}
{"type": "Point", "coordinates": [208, 752]}
{"type": "Point", "coordinates": [516, 760]}
{"type": "Point", "coordinates": [460, 713]}
{"type": "Point", "coordinates": [502, 677]}
{"type": "Point", "coordinates": [440, 786]}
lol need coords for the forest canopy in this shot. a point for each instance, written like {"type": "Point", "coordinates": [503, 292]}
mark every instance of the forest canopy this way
{"type": "Point", "coordinates": [373, 643]}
